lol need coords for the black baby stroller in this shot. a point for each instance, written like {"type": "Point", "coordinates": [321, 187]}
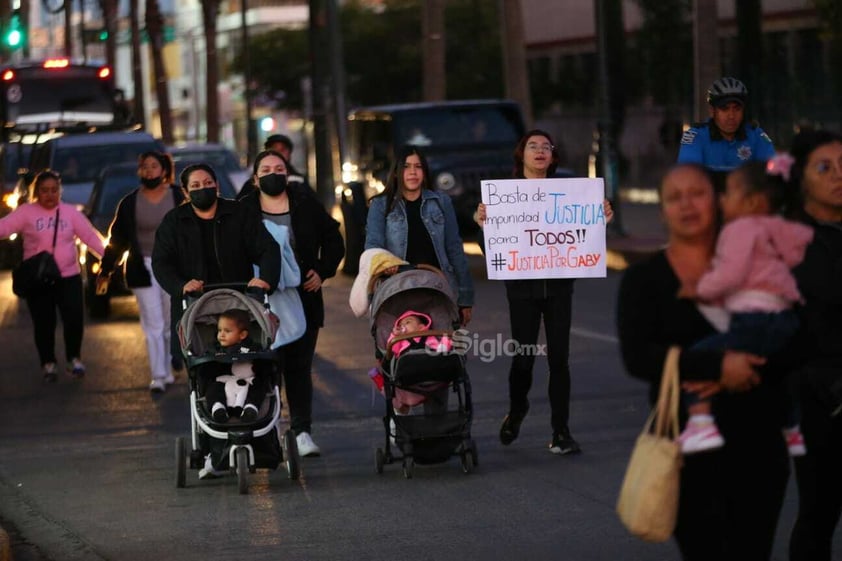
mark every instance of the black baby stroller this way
{"type": "Point", "coordinates": [234, 444]}
{"type": "Point", "coordinates": [441, 426]}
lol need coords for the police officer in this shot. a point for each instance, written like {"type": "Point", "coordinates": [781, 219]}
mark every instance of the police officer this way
{"type": "Point", "coordinates": [725, 141]}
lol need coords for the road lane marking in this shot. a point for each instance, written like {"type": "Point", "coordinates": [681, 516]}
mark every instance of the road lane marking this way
{"type": "Point", "coordinates": [588, 334]}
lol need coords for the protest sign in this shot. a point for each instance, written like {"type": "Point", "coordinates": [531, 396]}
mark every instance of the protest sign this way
{"type": "Point", "coordinates": [544, 228]}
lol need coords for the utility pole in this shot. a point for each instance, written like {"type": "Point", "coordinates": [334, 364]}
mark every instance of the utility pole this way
{"type": "Point", "coordinates": [609, 168]}
{"type": "Point", "coordinates": [138, 107]}
{"type": "Point", "coordinates": [320, 94]}
{"type": "Point", "coordinates": [706, 53]}
{"type": "Point", "coordinates": [248, 95]}
{"type": "Point", "coordinates": [433, 48]}
{"type": "Point", "coordinates": [337, 73]}
{"type": "Point", "coordinates": [514, 56]}
{"type": "Point", "coordinates": [68, 29]}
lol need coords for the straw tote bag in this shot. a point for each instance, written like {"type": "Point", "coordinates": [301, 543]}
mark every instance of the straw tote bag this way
{"type": "Point", "coordinates": [648, 502]}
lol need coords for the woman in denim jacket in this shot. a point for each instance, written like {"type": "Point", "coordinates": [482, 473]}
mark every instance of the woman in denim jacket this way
{"type": "Point", "coordinates": [419, 225]}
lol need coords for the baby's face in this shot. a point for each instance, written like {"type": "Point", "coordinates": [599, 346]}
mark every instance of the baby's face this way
{"type": "Point", "coordinates": [228, 333]}
{"type": "Point", "coordinates": [408, 325]}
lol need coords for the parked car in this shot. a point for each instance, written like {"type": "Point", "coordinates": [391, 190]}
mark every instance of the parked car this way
{"type": "Point", "coordinates": [221, 158]}
{"type": "Point", "coordinates": [15, 156]}
{"type": "Point", "coordinates": [464, 142]}
{"type": "Point", "coordinates": [114, 183]}
{"type": "Point", "coordinates": [80, 158]}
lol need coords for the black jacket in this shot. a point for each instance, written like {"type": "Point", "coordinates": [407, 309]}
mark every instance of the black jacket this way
{"type": "Point", "coordinates": [240, 238]}
{"type": "Point", "coordinates": [318, 244]}
{"type": "Point", "coordinates": [123, 237]}
{"type": "Point", "coordinates": [819, 279]}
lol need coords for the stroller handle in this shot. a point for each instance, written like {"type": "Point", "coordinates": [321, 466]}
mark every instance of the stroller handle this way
{"type": "Point", "coordinates": [255, 292]}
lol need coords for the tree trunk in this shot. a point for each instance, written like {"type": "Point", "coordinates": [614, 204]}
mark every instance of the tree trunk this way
{"type": "Point", "coordinates": [750, 52]}
{"type": "Point", "coordinates": [433, 49]}
{"type": "Point", "coordinates": [514, 57]}
{"type": "Point", "coordinates": [210, 9]}
{"type": "Point", "coordinates": [706, 52]}
{"type": "Point", "coordinates": [68, 28]}
{"type": "Point", "coordinates": [154, 28]}
{"type": "Point", "coordinates": [138, 107]}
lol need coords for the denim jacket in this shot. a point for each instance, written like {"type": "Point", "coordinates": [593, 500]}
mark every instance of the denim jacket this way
{"type": "Point", "coordinates": [390, 233]}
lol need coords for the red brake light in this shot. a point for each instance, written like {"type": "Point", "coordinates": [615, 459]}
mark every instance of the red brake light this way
{"type": "Point", "coordinates": [56, 63]}
{"type": "Point", "coordinates": [104, 72]}
{"type": "Point", "coordinates": [8, 75]}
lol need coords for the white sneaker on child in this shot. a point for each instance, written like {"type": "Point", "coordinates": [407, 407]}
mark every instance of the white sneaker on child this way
{"type": "Point", "coordinates": [700, 437]}
{"type": "Point", "coordinates": [795, 441]}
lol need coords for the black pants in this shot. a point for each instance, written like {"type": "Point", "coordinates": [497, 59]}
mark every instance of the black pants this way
{"type": "Point", "coordinates": [66, 296]}
{"type": "Point", "coordinates": [296, 361]}
{"type": "Point", "coordinates": [525, 318]}
{"type": "Point", "coordinates": [819, 478]}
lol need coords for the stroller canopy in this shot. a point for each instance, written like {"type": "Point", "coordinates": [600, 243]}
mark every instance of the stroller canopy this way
{"type": "Point", "coordinates": [422, 290]}
{"type": "Point", "coordinates": [197, 330]}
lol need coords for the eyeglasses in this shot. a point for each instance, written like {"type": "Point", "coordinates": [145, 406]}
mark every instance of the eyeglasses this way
{"type": "Point", "coordinates": [535, 147]}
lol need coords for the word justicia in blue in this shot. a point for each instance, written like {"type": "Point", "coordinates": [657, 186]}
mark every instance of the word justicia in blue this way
{"type": "Point", "coordinates": [48, 224]}
{"type": "Point", "coordinates": [574, 213]}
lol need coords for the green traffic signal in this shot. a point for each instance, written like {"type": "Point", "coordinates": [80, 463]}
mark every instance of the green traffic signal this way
{"type": "Point", "coordinates": [13, 36]}
{"type": "Point", "coordinates": [103, 35]}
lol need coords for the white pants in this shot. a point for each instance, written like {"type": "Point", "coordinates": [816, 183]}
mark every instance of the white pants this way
{"type": "Point", "coordinates": [154, 307]}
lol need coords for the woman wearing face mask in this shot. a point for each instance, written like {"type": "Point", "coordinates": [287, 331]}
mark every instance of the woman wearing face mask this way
{"type": "Point", "coordinates": [137, 217]}
{"type": "Point", "coordinates": [211, 240]}
{"type": "Point", "coordinates": [318, 248]}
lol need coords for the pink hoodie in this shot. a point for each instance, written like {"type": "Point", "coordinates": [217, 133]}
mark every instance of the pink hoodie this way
{"type": "Point", "coordinates": [751, 268]}
{"type": "Point", "coordinates": [36, 224]}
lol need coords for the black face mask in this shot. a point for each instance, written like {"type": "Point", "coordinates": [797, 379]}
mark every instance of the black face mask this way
{"type": "Point", "coordinates": [151, 183]}
{"type": "Point", "coordinates": [203, 199]}
{"type": "Point", "coordinates": [273, 184]}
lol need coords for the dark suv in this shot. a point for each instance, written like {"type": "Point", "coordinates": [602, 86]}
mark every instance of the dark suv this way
{"type": "Point", "coordinates": [464, 142]}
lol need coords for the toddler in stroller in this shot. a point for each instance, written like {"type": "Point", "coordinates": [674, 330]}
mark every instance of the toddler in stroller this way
{"type": "Point", "coordinates": [225, 337]}
{"type": "Point", "coordinates": [420, 367]}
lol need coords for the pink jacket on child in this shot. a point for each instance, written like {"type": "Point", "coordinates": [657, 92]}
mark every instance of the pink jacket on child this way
{"type": "Point", "coordinates": [751, 268]}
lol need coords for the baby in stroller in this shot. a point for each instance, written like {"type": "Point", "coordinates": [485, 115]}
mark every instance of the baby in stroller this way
{"type": "Point", "coordinates": [226, 337]}
{"type": "Point", "coordinates": [418, 365]}
{"type": "Point", "coordinates": [406, 334]}
{"type": "Point", "coordinates": [241, 384]}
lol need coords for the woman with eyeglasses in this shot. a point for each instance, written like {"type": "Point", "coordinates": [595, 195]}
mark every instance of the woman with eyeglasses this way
{"type": "Point", "coordinates": [816, 177]}
{"type": "Point", "coordinates": [211, 240]}
{"type": "Point", "coordinates": [47, 224]}
{"type": "Point", "coordinates": [530, 300]}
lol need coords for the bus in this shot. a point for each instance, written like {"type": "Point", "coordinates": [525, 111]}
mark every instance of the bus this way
{"type": "Point", "coordinates": [59, 95]}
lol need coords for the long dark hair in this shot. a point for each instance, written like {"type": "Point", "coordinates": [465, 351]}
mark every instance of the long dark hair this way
{"type": "Point", "coordinates": [394, 183]}
{"type": "Point", "coordinates": [521, 148]}
{"type": "Point", "coordinates": [185, 174]}
{"type": "Point", "coordinates": [41, 178]}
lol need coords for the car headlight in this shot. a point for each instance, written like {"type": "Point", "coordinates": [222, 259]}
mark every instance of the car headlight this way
{"type": "Point", "coordinates": [446, 181]}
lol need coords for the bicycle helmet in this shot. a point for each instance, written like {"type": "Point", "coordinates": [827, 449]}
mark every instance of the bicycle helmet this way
{"type": "Point", "coordinates": [725, 90]}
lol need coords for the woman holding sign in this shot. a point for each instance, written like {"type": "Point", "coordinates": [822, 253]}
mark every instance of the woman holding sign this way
{"type": "Point", "coordinates": [419, 225]}
{"type": "Point", "coordinates": [531, 299]}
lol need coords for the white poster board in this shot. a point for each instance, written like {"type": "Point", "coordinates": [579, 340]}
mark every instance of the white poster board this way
{"type": "Point", "coordinates": [544, 228]}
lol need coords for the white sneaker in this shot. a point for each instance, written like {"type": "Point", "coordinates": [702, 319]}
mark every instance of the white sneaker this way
{"type": "Point", "coordinates": [306, 446]}
{"type": "Point", "coordinates": [158, 385]}
{"type": "Point", "coordinates": [169, 379]}
{"type": "Point", "coordinates": [208, 472]}
{"type": "Point", "coordinates": [393, 431]}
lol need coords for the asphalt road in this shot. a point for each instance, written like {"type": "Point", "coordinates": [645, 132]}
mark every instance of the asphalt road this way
{"type": "Point", "coordinates": [87, 468]}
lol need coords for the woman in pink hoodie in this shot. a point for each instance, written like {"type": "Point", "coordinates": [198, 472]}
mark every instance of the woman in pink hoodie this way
{"type": "Point", "coordinates": [38, 221]}
{"type": "Point", "coordinates": [751, 278]}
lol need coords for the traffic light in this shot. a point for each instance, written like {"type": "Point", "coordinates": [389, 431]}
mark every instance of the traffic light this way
{"type": "Point", "coordinates": [95, 35]}
{"type": "Point", "coordinates": [14, 35]}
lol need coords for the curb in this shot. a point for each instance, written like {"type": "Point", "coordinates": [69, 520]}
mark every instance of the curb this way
{"type": "Point", "coordinates": [5, 546]}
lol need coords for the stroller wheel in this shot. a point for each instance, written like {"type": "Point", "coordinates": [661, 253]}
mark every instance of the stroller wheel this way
{"type": "Point", "coordinates": [291, 455]}
{"type": "Point", "coordinates": [242, 470]}
{"type": "Point", "coordinates": [408, 465]}
{"type": "Point", "coordinates": [180, 463]}
{"type": "Point", "coordinates": [379, 460]}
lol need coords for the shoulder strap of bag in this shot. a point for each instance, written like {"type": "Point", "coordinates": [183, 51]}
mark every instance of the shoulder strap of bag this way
{"type": "Point", "coordinates": [666, 410]}
{"type": "Point", "coordinates": [55, 230]}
